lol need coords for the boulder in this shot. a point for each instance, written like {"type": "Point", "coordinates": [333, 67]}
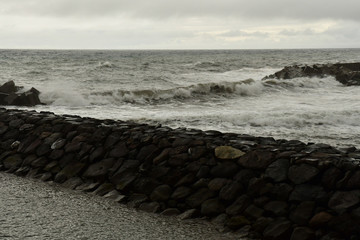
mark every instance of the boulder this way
{"type": "Point", "coordinates": [10, 95]}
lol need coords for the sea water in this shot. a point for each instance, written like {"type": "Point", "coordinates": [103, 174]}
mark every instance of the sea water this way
{"type": "Point", "coordinates": [208, 89]}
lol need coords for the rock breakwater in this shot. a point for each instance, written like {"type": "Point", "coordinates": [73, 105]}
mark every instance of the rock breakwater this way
{"type": "Point", "coordinates": [346, 73]}
{"type": "Point", "coordinates": [275, 189]}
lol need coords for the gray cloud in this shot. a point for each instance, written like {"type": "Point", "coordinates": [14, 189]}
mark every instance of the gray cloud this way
{"type": "Point", "coordinates": [160, 9]}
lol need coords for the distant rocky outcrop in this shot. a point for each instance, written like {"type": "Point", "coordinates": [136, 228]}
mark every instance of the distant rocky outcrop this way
{"type": "Point", "coordinates": [346, 73]}
{"type": "Point", "coordinates": [10, 95]}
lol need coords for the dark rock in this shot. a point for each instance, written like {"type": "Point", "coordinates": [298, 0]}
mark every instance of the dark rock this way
{"type": "Point", "coordinates": [217, 183]}
{"type": "Point", "coordinates": [354, 181]}
{"type": "Point", "coordinates": [151, 207]}
{"type": "Point", "coordinates": [303, 233]}
{"type": "Point", "coordinates": [170, 212]}
{"type": "Point", "coordinates": [281, 191]}
{"type": "Point", "coordinates": [56, 154]}
{"type": "Point", "coordinates": [253, 212]}
{"type": "Point", "coordinates": [43, 149]}
{"type": "Point", "coordinates": [13, 161]}
{"type": "Point", "coordinates": [39, 162]}
{"type": "Point", "coordinates": [187, 179]}
{"type": "Point", "coordinates": [203, 172]}
{"type": "Point", "coordinates": [302, 173]}
{"type": "Point", "coordinates": [341, 200]}
{"type": "Point", "coordinates": [302, 213]}
{"type": "Point", "coordinates": [181, 192]}
{"type": "Point", "coordinates": [320, 219]}
{"type": "Point", "coordinates": [230, 191]}
{"type": "Point", "coordinates": [307, 192]}
{"type": "Point", "coordinates": [72, 183]}
{"type": "Point", "coordinates": [58, 144]}
{"type": "Point", "coordinates": [120, 150]}
{"type": "Point", "coordinates": [277, 208]}
{"type": "Point", "coordinates": [236, 222]}
{"type": "Point", "coordinates": [201, 183]}
{"type": "Point", "coordinates": [197, 152]}
{"type": "Point", "coordinates": [212, 207]}
{"type": "Point", "coordinates": [88, 186]}
{"type": "Point", "coordinates": [136, 199]}
{"type": "Point", "coordinates": [145, 185]}
{"type": "Point", "coordinates": [199, 197]}
{"type": "Point", "coordinates": [178, 159]}
{"type": "Point", "coordinates": [188, 214]}
{"type": "Point", "coordinates": [225, 170]}
{"type": "Point", "coordinates": [278, 229]}
{"type": "Point", "coordinates": [256, 159]}
{"type": "Point", "coordinates": [239, 205]}
{"type": "Point", "coordinates": [261, 223]}
{"type": "Point", "coordinates": [69, 171]}
{"type": "Point", "coordinates": [162, 156]}
{"type": "Point", "coordinates": [331, 177]}
{"type": "Point", "coordinates": [278, 170]}
{"type": "Point", "coordinates": [8, 87]}
{"type": "Point", "coordinates": [73, 147]}
{"type": "Point", "coordinates": [259, 187]}
{"type": "Point", "coordinates": [161, 193]}
{"type": "Point", "coordinates": [115, 196]}
{"type": "Point", "coordinates": [147, 153]}
{"type": "Point", "coordinates": [99, 169]}
{"type": "Point", "coordinates": [104, 189]}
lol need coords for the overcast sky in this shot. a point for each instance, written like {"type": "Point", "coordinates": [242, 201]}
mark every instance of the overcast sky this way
{"type": "Point", "coordinates": [181, 24]}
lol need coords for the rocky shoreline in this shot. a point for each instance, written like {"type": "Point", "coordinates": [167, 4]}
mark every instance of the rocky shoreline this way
{"type": "Point", "coordinates": [273, 189]}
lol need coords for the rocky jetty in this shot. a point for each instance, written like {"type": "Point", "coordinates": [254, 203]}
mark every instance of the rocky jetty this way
{"type": "Point", "coordinates": [346, 73]}
{"type": "Point", "coordinates": [270, 189]}
{"type": "Point", "coordinates": [10, 95]}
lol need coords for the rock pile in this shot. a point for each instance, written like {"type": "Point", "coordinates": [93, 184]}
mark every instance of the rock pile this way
{"type": "Point", "coordinates": [10, 95]}
{"type": "Point", "coordinates": [275, 189]}
{"type": "Point", "coordinates": [346, 73]}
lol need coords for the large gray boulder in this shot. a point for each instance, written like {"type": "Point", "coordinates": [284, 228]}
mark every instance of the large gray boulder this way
{"type": "Point", "coordinates": [10, 95]}
{"type": "Point", "coordinates": [346, 73]}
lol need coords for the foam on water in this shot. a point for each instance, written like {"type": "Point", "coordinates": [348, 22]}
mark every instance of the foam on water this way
{"type": "Point", "coordinates": [221, 90]}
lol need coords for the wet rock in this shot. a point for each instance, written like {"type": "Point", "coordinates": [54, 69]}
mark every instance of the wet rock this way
{"type": "Point", "coordinates": [203, 172]}
{"type": "Point", "coordinates": [145, 185]}
{"type": "Point", "coordinates": [162, 156]}
{"type": "Point", "coordinates": [187, 179]}
{"type": "Point", "coordinates": [58, 144]}
{"type": "Point", "coordinates": [88, 186]}
{"type": "Point", "coordinates": [256, 159]}
{"type": "Point", "coordinates": [73, 147]}
{"type": "Point", "coordinates": [39, 162]}
{"type": "Point", "coordinates": [278, 229]}
{"type": "Point", "coordinates": [302, 173]}
{"type": "Point", "coordinates": [228, 153]}
{"type": "Point", "coordinates": [342, 200]}
{"type": "Point", "coordinates": [278, 170]}
{"type": "Point", "coordinates": [43, 149]}
{"type": "Point", "coordinates": [161, 193]}
{"type": "Point", "coordinates": [303, 233]}
{"type": "Point", "coordinates": [354, 181]}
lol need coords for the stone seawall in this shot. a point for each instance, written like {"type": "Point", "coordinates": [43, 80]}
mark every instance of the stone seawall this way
{"type": "Point", "coordinates": [276, 189]}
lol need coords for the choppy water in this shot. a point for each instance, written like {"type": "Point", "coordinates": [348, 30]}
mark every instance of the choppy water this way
{"type": "Point", "coordinates": [35, 210]}
{"type": "Point", "coordinates": [219, 90]}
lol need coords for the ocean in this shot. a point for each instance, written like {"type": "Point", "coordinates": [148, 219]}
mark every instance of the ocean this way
{"type": "Point", "coordinates": [204, 89]}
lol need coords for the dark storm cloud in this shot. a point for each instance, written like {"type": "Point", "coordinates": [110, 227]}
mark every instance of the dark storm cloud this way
{"type": "Point", "coordinates": [160, 9]}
